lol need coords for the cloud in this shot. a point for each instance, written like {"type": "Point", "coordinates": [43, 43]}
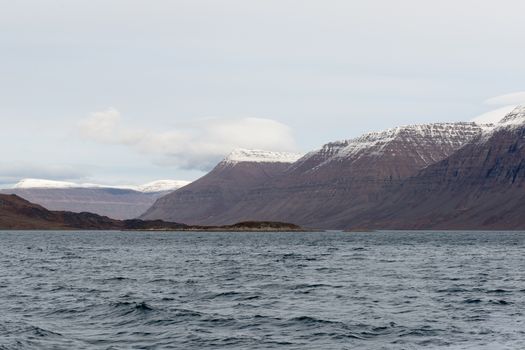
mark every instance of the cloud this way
{"type": "Point", "coordinates": [198, 146]}
{"type": "Point", "coordinates": [514, 98]}
{"type": "Point", "coordinates": [11, 173]}
{"type": "Point", "coordinates": [494, 116]}
{"type": "Point", "coordinates": [507, 102]}
{"type": "Point", "coordinates": [104, 126]}
{"type": "Point", "coordinates": [101, 125]}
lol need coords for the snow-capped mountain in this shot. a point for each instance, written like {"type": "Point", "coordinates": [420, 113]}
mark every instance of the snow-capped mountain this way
{"type": "Point", "coordinates": [206, 198]}
{"type": "Point", "coordinates": [150, 187]}
{"type": "Point", "coordinates": [494, 116]}
{"type": "Point", "coordinates": [481, 186]}
{"type": "Point", "coordinates": [240, 155]}
{"type": "Point", "coordinates": [425, 144]}
{"type": "Point", "coordinates": [41, 183]}
{"type": "Point", "coordinates": [317, 187]}
{"type": "Point", "coordinates": [19, 214]}
{"type": "Point", "coordinates": [118, 202]}
{"type": "Point", "coordinates": [514, 118]}
{"type": "Point", "coordinates": [161, 186]}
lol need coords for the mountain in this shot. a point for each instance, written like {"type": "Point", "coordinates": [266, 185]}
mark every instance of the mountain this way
{"type": "Point", "coordinates": [316, 189]}
{"type": "Point", "coordinates": [20, 214]}
{"type": "Point", "coordinates": [205, 200]}
{"type": "Point", "coordinates": [150, 187]}
{"type": "Point", "coordinates": [118, 202]}
{"type": "Point", "coordinates": [481, 186]}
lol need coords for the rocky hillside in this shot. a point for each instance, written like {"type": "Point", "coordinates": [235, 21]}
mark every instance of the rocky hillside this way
{"type": "Point", "coordinates": [205, 201]}
{"type": "Point", "coordinates": [316, 189]}
{"type": "Point", "coordinates": [17, 213]}
{"type": "Point", "coordinates": [481, 186]}
{"type": "Point", "coordinates": [125, 202]}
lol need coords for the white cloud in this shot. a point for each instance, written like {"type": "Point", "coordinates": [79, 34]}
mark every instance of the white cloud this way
{"type": "Point", "coordinates": [101, 125]}
{"type": "Point", "coordinates": [199, 146]}
{"type": "Point", "coordinates": [507, 102]}
{"type": "Point", "coordinates": [494, 116]}
{"type": "Point", "coordinates": [104, 126]}
{"type": "Point", "coordinates": [514, 98]}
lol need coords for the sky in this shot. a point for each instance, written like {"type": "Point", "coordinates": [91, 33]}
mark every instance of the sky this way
{"type": "Point", "coordinates": [129, 91]}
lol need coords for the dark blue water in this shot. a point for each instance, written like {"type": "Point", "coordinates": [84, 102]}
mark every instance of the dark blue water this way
{"type": "Point", "coordinates": [387, 290]}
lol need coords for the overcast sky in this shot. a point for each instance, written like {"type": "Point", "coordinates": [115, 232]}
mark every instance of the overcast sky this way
{"type": "Point", "coordinates": [127, 91]}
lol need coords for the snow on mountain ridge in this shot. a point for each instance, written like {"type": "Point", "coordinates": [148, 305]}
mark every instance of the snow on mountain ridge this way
{"type": "Point", "coordinates": [162, 185]}
{"type": "Point", "coordinates": [260, 156]}
{"type": "Point", "coordinates": [449, 135]}
{"type": "Point", "coordinates": [444, 133]}
{"type": "Point", "coordinates": [512, 120]}
{"type": "Point", "coordinates": [151, 187]}
{"type": "Point", "coordinates": [41, 183]}
{"type": "Point", "coordinates": [516, 117]}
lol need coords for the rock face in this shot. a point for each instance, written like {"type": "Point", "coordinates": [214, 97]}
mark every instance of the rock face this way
{"type": "Point", "coordinates": [316, 190]}
{"type": "Point", "coordinates": [121, 203]}
{"type": "Point", "coordinates": [205, 201]}
{"type": "Point", "coordinates": [481, 186]}
{"type": "Point", "coordinates": [17, 213]}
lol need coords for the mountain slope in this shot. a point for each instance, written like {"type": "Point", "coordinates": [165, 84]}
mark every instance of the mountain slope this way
{"type": "Point", "coordinates": [125, 202]}
{"type": "Point", "coordinates": [17, 213]}
{"type": "Point", "coordinates": [317, 188]}
{"type": "Point", "coordinates": [481, 186]}
{"type": "Point", "coordinates": [204, 201]}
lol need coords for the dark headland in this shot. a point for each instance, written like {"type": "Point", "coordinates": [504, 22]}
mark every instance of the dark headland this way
{"type": "Point", "coordinates": [17, 213]}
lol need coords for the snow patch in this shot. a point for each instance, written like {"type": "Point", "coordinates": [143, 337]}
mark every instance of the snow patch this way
{"type": "Point", "coordinates": [151, 187]}
{"type": "Point", "coordinates": [162, 185]}
{"type": "Point", "coordinates": [512, 120]}
{"type": "Point", "coordinates": [515, 117]}
{"type": "Point", "coordinates": [40, 183]}
{"type": "Point", "coordinates": [395, 141]}
{"type": "Point", "coordinates": [259, 156]}
{"type": "Point", "coordinates": [452, 134]}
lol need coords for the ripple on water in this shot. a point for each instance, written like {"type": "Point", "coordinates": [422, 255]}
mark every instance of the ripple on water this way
{"type": "Point", "coordinates": [136, 290]}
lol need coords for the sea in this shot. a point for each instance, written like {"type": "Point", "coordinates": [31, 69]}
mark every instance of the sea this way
{"type": "Point", "coordinates": [224, 290]}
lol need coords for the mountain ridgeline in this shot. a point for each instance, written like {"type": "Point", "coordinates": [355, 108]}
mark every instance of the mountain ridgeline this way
{"type": "Point", "coordinates": [125, 202]}
{"type": "Point", "coordinates": [17, 213]}
{"type": "Point", "coordinates": [433, 176]}
{"type": "Point", "coordinates": [481, 186]}
{"type": "Point", "coordinates": [208, 200]}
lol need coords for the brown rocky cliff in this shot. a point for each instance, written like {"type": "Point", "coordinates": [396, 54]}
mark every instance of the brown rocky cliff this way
{"type": "Point", "coordinates": [482, 186]}
{"type": "Point", "coordinates": [317, 189]}
{"type": "Point", "coordinates": [206, 200]}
